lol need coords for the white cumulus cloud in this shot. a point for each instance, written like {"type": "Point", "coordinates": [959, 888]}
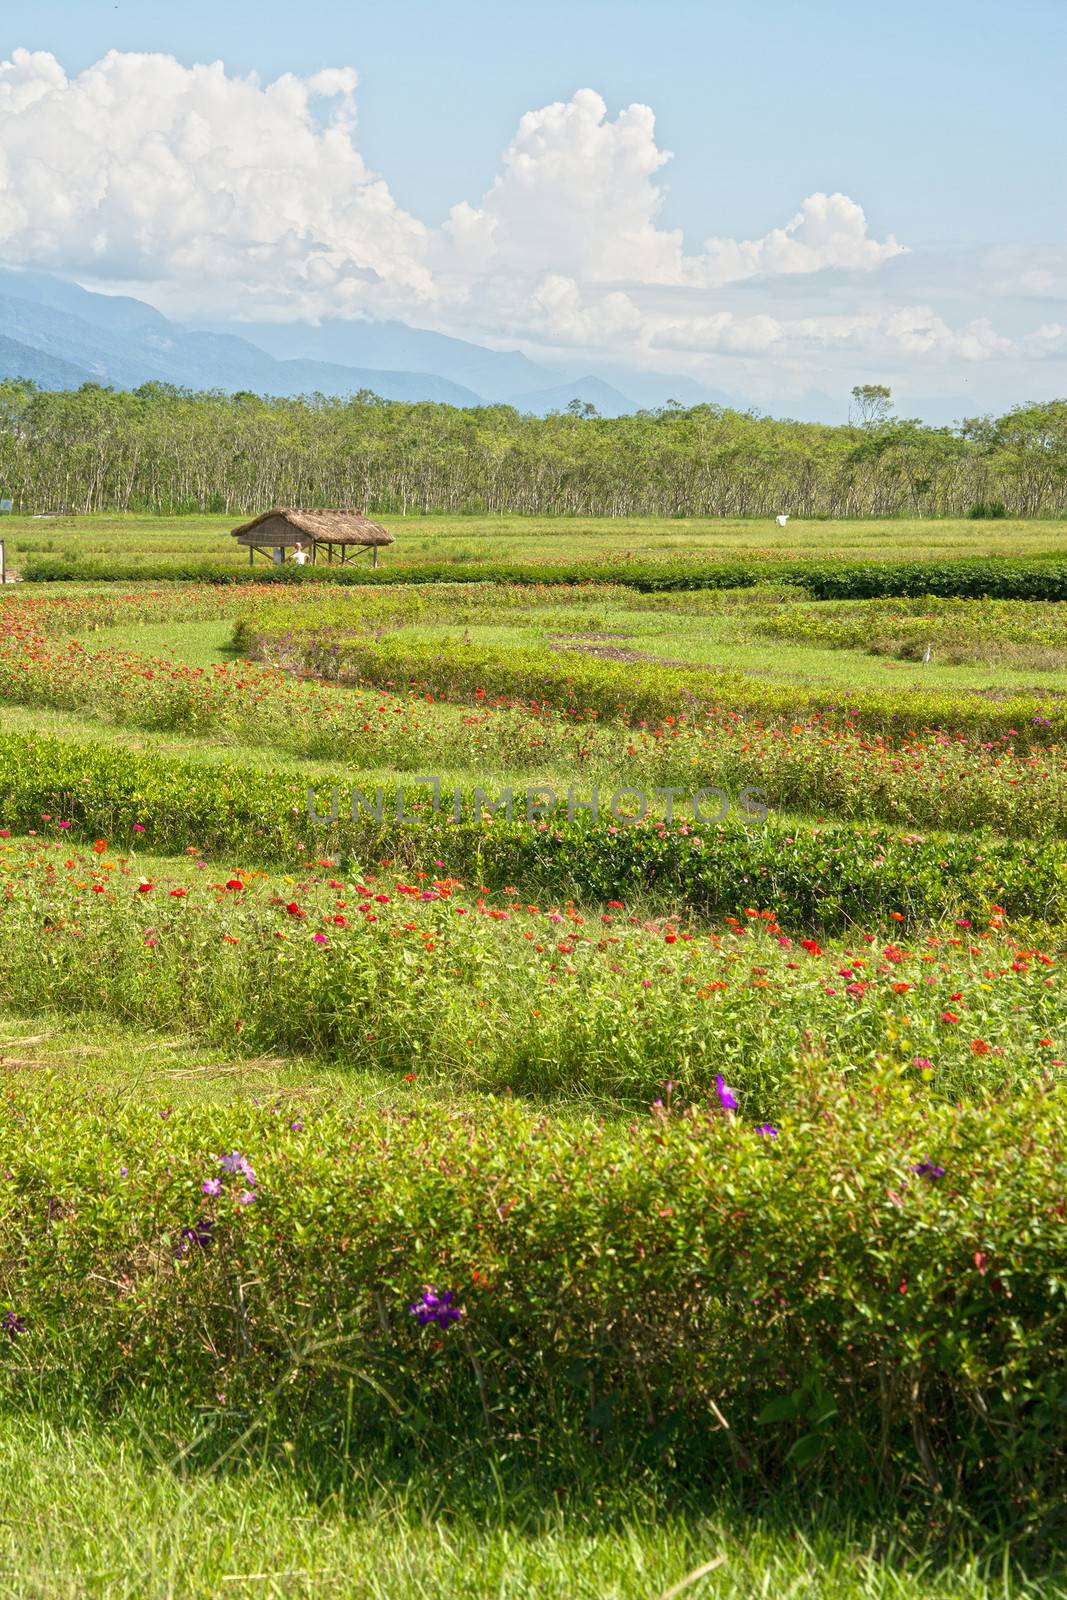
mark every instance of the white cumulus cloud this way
{"type": "Point", "coordinates": [218, 195]}
{"type": "Point", "coordinates": [213, 187]}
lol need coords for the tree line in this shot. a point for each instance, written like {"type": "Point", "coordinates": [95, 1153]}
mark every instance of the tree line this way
{"type": "Point", "coordinates": [162, 449]}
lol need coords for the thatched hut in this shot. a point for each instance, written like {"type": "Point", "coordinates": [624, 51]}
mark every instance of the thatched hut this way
{"type": "Point", "coordinates": [344, 532]}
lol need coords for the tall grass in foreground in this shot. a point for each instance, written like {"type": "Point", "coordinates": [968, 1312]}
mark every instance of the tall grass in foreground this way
{"type": "Point", "coordinates": [119, 1515]}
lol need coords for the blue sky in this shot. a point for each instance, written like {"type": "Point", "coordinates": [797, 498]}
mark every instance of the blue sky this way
{"type": "Point", "coordinates": [940, 123]}
{"type": "Point", "coordinates": [945, 119]}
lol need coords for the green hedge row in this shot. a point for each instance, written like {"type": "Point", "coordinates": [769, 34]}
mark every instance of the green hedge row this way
{"type": "Point", "coordinates": [871, 1294]}
{"type": "Point", "coordinates": [1029, 578]}
{"type": "Point", "coordinates": [636, 691]}
{"type": "Point", "coordinates": [826, 877]}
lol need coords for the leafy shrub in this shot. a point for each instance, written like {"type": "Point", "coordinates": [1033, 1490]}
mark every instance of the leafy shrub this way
{"type": "Point", "coordinates": [987, 510]}
{"type": "Point", "coordinates": [871, 1297]}
{"type": "Point", "coordinates": [493, 991]}
{"type": "Point", "coordinates": [1023, 578]}
{"type": "Point", "coordinates": [631, 691]}
{"type": "Point", "coordinates": [812, 876]}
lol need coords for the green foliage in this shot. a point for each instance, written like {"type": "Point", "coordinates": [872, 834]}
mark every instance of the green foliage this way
{"type": "Point", "coordinates": [813, 877]}
{"type": "Point", "coordinates": [1004, 578]}
{"type": "Point", "coordinates": [987, 511]}
{"type": "Point", "coordinates": [687, 1292]}
{"type": "Point", "coordinates": [169, 451]}
{"type": "Point", "coordinates": [633, 691]}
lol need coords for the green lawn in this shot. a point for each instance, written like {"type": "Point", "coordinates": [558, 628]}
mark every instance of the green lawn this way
{"type": "Point", "coordinates": [729, 641]}
{"type": "Point", "coordinates": [475, 538]}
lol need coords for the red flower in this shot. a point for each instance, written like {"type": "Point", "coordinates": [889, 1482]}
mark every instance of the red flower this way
{"type": "Point", "coordinates": [294, 910]}
{"type": "Point", "coordinates": [234, 883]}
{"type": "Point", "coordinates": [811, 946]}
{"type": "Point", "coordinates": [979, 1047]}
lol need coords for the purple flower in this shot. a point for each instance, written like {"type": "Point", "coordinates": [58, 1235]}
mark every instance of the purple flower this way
{"type": "Point", "coordinates": [212, 1186]}
{"type": "Point", "coordinates": [246, 1198]}
{"type": "Point", "coordinates": [235, 1162]}
{"type": "Point", "coordinates": [727, 1098]}
{"type": "Point", "coordinates": [768, 1130]}
{"type": "Point", "coordinates": [434, 1307]}
{"type": "Point", "coordinates": [929, 1169]}
{"type": "Point", "coordinates": [13, 1325]}
{"type": "Point", "coordinates": [199, 1234]}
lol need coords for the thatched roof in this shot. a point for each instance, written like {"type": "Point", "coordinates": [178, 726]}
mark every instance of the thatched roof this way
{"type": "Point", "coordinates": [321, 527]}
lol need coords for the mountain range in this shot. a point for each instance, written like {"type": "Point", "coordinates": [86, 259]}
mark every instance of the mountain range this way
{"type": "Point", "coordinates": [61, 336]}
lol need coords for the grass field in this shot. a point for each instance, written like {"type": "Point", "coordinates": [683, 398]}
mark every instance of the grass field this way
{"type": "Point", "coordinates": [737, 1143]}
{"type": "Point", "coordinates": [466, 539]}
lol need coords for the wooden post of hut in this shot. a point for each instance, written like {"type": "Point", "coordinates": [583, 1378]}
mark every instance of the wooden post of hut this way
{"type": "Point", "coordinates": [348, 532]}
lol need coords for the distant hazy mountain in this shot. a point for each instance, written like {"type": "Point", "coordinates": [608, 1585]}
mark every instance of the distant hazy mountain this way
{"type": "Point", "coordinates": [18, 360]}
{"type": "Point", "coordinates": [62, 336]}
{"type": "Point", "coordinates": [500, 376]}
{"type": "Point", "coordinates": [592, 391]}
{"type": "Point", "coordinates": [76, 337]}
{"type": "Point", "coordinates": [495, 375]}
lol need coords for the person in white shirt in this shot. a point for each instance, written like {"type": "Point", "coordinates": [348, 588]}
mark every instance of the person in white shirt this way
{"type": "Point", "coordinates": [299, 555]}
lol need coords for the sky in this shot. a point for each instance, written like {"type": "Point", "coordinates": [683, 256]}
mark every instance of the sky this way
{"type": "Point", "coordinates": [777, 199]}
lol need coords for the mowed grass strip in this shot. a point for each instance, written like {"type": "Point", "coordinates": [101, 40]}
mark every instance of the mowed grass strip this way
{"type": "Point", "coordinates": [471, 538]}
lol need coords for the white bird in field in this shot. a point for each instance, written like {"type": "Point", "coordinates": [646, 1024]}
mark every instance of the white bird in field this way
{"type": "Point", "coordinates": [782, 520]}
{"type": "Point", "coordinates": [926, 656]}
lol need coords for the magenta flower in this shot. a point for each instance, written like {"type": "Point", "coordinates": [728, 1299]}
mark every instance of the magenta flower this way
{"type": "Point", "coordinates": [212, 1186]}
{"type": "Point", "coordinates": [727, 1098]}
